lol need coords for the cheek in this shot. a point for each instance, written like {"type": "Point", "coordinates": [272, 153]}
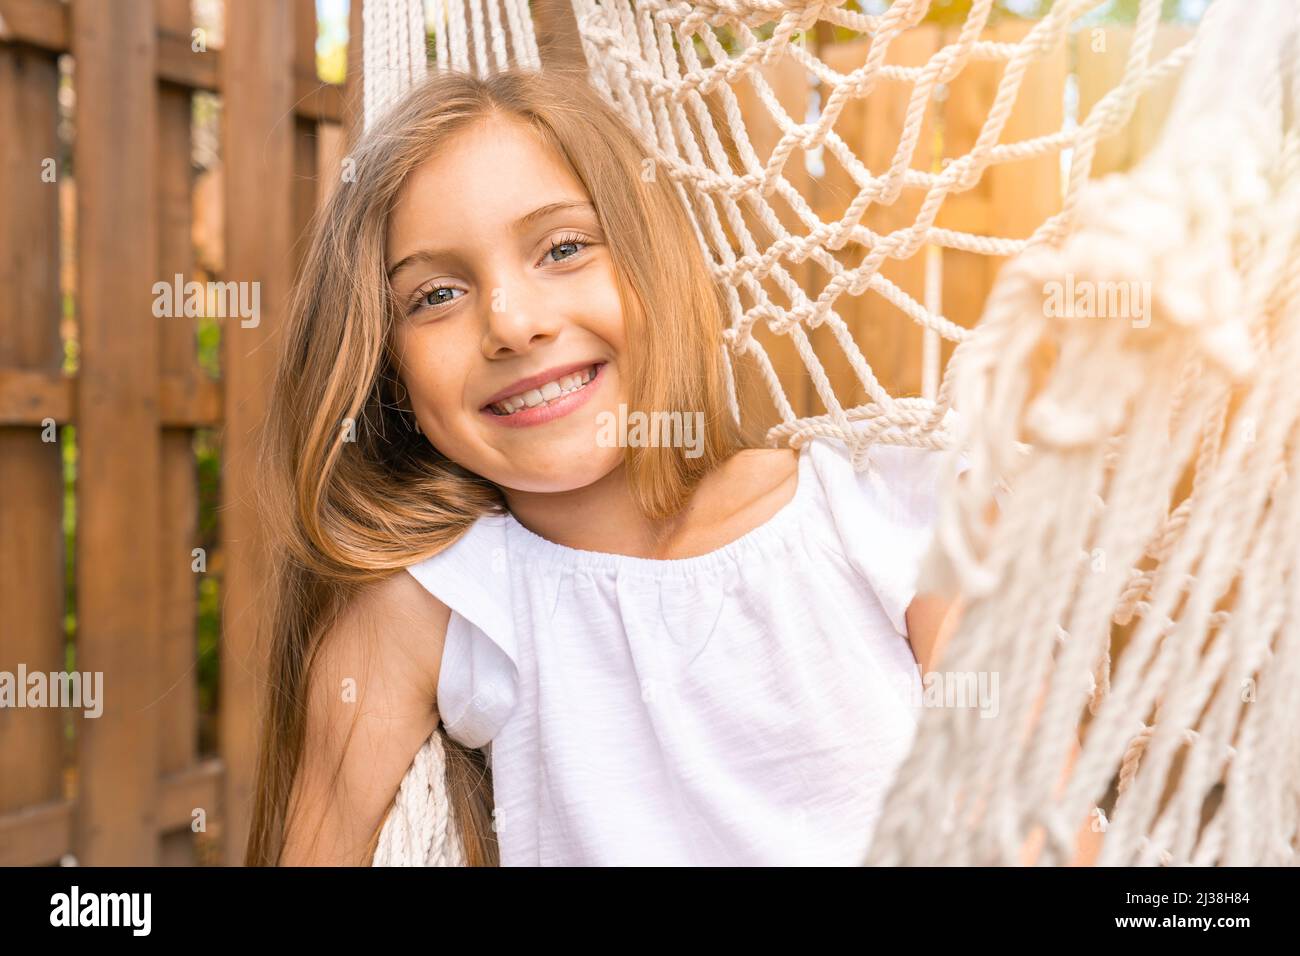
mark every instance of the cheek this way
{"type": "Point", "coordinates": [605, 308]}
{"type": "Point", "coordinates": [432, 375]}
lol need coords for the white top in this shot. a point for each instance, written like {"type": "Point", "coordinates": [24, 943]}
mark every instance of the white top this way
{"type": "Point", "coordinates": [748, 706]}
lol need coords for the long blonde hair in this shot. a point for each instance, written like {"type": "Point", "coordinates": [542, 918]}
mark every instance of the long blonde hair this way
{"type": "Point", "coordinates": [341, 515]}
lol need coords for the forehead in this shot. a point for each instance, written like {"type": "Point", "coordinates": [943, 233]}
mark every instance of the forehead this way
{"type": "Point", "coordinates": [490, 172]}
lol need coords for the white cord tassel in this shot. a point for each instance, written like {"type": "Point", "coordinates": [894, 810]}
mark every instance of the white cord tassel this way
{"type": "Point", "coordinates": [420, 829]}
{"type": "Point", "coordinates": [393, 52]}
{"type": "Point", "coordinates": [395, 57]}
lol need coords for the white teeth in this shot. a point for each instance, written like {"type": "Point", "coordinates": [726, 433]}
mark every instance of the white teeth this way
{"type": "Point", "coordinates": [546, 393]}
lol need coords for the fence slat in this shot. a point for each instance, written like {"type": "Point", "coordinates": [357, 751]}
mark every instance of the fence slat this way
{"type": "Point", "coordinates": [44, 25]}
{"type": "Point", "coordinates": [872, 128]}
{"type": "Point", "coordinates": [353, 118]}
{"type": "Point", "coordinates": [556, 30]}
{"type": "Point", "coordinates": [31, 481]}
{"type": "Point", "coordinates": [117, 397]}
{"type": "Point", "coordinates": [1102, 55]}
{"type": "Point", "coordinates": [305, 187]}
{"type": "Point", "coordinates": [178, 506]}
{"type": "Point", "coordinates": [788, 82]}
{"type": "Point", "coordinates": [259, 202]}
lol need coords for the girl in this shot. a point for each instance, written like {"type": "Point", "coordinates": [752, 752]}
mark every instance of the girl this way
{"type": "Point", "coordinates": [662, 657]}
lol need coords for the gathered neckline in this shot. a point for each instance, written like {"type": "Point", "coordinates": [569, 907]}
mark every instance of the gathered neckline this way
{"type": "Point", "coordinates": [771, 534]}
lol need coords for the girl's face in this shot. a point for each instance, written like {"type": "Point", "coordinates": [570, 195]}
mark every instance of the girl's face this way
{"type": "Point", "coordinates": [506, 300]}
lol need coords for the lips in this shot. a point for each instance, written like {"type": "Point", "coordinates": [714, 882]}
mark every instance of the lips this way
{"type": "Point", "coordinates": [524, 385]}
{"type": "Point", "coordinates": [563, 403]}
{"type": "Point", "coordinates": [547, 394]}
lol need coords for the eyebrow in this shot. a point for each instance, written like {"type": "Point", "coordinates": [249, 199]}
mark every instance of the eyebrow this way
{"type": "Point", "coordinates": [519, 225]}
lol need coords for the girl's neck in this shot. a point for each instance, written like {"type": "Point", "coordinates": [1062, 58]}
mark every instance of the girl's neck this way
{"type": "Point", "coordinates": [740, 494]}
{"type": "Point", "coordinates": [599, 517]}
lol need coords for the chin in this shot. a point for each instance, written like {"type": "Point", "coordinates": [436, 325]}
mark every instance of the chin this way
{"type": "Point", "coordinates": [543, 480]}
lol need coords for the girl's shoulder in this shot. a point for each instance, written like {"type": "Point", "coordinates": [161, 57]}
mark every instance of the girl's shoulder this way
{"type": "Point", "coordinates": [743, 493]}
{"type": "Point", "coordinates": [396, 624]}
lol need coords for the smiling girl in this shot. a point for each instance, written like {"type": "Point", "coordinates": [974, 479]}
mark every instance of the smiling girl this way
{"type": "Point", "coordinates": [635, 656]}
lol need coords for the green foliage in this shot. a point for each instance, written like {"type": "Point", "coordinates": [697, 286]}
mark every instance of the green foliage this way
{"type": "Point", "coordinates": [71, 351]}
{"type": "Point", "coordinates": [207, 457]}
{"type": "Point", "coordinates": [955, 12]}
{"type": "Point", "coordinates": [208, 334]}
{"type": "Point", "coordinates": [68, 448]}
{"type": "Point", "coordinates": [1126, 11]}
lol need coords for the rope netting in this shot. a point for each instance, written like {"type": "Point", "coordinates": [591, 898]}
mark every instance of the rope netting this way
{"type": "Point", "coordinates": [658, 60]}
{"type": "Point", "coordinates": [1138, 591]}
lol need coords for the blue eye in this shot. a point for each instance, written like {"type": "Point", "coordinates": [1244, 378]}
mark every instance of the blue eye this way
{"type": "Point", "coordinates": [423, 298]}
{"type": "Point", "coordinates": [563, 243]}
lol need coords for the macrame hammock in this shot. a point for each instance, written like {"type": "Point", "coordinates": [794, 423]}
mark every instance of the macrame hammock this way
{"type": "Point", "coordinates": [1140, 582]}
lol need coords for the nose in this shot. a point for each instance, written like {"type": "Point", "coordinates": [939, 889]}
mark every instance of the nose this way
{"type": "Point", "coordinates": [516, 319]}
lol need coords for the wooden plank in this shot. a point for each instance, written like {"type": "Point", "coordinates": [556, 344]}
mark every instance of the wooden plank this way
{"type": "Point", "coordinates": [29, 397]}
{"type": "Point", "coordinates": [36, 835]}
{"type": "Point", "coordinates": [39, 23]}
{"type": "Point", "coordinates": [41, 834]}
{"type": "Point", "coordinates": [180, 64]}
{"type": "Point", "coordinates": [178, 503]}
{"type": "Point", "coordinates": [872, 128]}
{"type": "Point", "coordinates": [44, 24]}
{"type": "Point", "coordinates": [196, 785]}
{"type": "Point", "coordinates": [1011, 199]}
{"type": "Point", "coordinates": [305, 187]}
{"type": "Point", "coordinates": [31, 471]}
{"type": "Point", "coordinates": [1155, 102]}
{"type": "Point", "coordinates": [316, 100]}
{"type": "Point", "coordinates": [118, 476]}
{"type": "Point", "coordinates": [305, 31]}
{"type": "Point", "coordinates": [968, 276]}
{"type": "Point", "coordinates": [556, 31]}
{"type": "Point", "coordinates": [1101, 55]}
{"type": "Point", "coordinates": [185, 402]}
{"type": "Point", "coordinates": [330, 146]}
{"type": "Point", "coordinates": [1028, 192]}
{"type": "Point", "coordinates": [259, 198]}
{"type": "Point", "coordinates": [353, 118]}
{"type": "Point", "coordinates": [789, 84]}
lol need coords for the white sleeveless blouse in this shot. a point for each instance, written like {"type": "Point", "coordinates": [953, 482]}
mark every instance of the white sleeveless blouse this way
{"type": "Point", "coordinates": [748, 706]}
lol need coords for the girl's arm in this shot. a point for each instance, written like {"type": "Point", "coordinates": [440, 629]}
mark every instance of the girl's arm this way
{"type": "Point", "coordinates": [371, 705]}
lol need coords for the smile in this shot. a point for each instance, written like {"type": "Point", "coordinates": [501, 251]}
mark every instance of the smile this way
{"type": "Point", "coordinates": [548, 401]}
{"type": "Point", "coordinates": [545, 394]}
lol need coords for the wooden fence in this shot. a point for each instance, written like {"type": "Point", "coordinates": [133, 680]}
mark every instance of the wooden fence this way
{"type": "Point", "coordinates": [131, 786]}
{"type": "Point", "coordinates": [137, 789]}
